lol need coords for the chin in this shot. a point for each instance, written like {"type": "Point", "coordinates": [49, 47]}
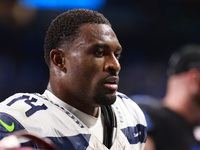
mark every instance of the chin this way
{"type": "Point", "coordinates": [104, 100]}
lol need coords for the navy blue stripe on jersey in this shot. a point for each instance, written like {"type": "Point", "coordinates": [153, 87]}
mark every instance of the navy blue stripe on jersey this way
{"type": "Point", "coordinates": [77, 142]}
{"type": "Point", "coordinates": [122, 96]}
{"type": "Point", "coordinates": [135, 134]}
{"type": "Point", "coordinates": [8, 124]}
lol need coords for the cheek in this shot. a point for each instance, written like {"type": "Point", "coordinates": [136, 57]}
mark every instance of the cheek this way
{"type": "Point", "coordinates": [85, 69]}
{"type": "Point", "coordinates": [91, 65]}
{"type": "Point", "coordinates": [89, 72]}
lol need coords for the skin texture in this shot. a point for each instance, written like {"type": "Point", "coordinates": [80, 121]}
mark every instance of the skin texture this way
{"type": "Point", "coordinates": [84, 74]}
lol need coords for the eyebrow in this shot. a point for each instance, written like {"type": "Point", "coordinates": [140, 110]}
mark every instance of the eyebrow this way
{"type": "Point", "coordinates": [103, 45]}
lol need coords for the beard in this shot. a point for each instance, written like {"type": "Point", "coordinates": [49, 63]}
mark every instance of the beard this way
{"type": "Point", "coordinates": [104, 100]}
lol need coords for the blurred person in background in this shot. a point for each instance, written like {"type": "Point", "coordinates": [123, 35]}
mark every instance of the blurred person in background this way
{"type": "Point", "coordinates": [81, 107]}
{"type": "Point", "coordinates": [173, 124]}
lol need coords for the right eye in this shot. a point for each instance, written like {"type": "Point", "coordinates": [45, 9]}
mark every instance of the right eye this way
{"type": "Point", "coordinates": [99, 53]}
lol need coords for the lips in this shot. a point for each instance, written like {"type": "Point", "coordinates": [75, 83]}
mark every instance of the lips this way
{"type": "Point", "coordinates": [111, 82]}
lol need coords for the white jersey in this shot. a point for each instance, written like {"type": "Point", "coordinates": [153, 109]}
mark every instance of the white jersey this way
{"type": "Point", "coordinates": [45, 117]}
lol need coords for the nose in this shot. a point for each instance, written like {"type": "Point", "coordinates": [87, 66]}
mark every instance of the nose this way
{"type": "Point", "coordinates": [112, 64]}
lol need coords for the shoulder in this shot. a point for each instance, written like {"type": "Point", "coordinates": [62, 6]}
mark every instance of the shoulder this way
{"type": "Point", "coordinates": [129, 108]}
{"type": "Point", "coordinates": [21, 98]}
{"type": "Point", "coordinates": [131, 118]}
{"type": "Point", "coordinates": [21, 106]}
{"type": "Point", "coordinates": [22, 102]}
{"type": "Point", "coordinates": [21, 110]}
{"type": "Point", "coordinates": [128, 103]}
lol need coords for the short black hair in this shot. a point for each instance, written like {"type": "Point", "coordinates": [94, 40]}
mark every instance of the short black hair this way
{"type": "Point", "coordinates": [184, 59]}
{"type": "Point", "coordinates": [65, 28]}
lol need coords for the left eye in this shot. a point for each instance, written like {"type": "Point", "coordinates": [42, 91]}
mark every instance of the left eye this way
{"type": "Point", "coordinates": [118, 56]}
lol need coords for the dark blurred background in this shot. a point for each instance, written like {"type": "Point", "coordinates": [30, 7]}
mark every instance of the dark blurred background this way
{"type": "Point", "coordinates": [149, 31]}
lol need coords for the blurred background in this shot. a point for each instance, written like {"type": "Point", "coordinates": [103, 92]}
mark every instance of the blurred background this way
{"type": "Point", "coordinates": [149, 31]}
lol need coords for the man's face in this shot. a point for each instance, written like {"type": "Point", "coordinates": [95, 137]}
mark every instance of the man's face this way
{"type": "Point", "coordinates": [93, 66]}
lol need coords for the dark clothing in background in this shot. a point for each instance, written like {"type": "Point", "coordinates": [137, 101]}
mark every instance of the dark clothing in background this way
{"type": "Point", "coordinates": [169, 130]}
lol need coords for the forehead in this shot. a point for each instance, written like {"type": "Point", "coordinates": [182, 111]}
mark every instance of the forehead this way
{"type": "Point", "coordinates": [97, 32]}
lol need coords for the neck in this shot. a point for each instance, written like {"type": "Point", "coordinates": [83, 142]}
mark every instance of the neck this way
{"type": "Point", "coordinates": [92, 111]}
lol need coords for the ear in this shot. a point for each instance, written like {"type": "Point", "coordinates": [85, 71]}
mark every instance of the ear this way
{"type": "Point", "coordinates": [58, 59]}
